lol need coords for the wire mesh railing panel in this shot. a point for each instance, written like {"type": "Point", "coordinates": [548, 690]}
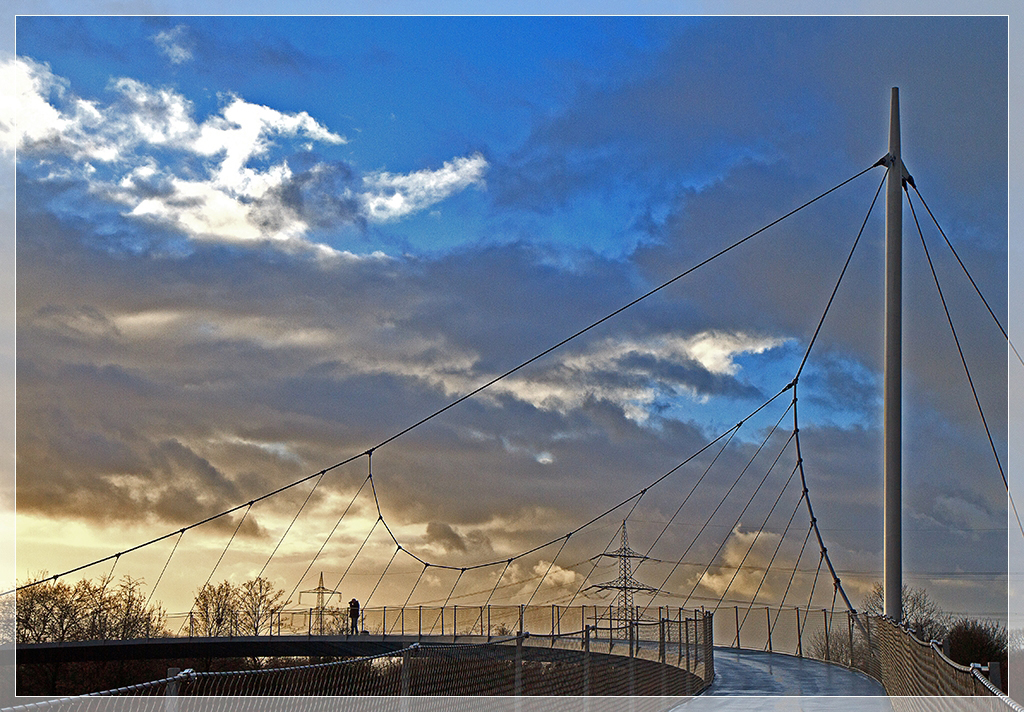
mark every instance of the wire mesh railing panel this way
{"type": "Point", "coordinates": [471, 651]}
{"type": "Point", "coordinates": [907, 666]}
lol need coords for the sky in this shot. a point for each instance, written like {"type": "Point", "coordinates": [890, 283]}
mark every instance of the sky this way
{"type": "Point", "coordinates": [248, 248]}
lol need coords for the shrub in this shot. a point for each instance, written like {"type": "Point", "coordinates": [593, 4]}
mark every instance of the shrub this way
{"type": "Point", "coordinates": [974, 641]}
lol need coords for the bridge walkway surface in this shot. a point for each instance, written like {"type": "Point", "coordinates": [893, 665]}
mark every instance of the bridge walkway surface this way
{"type": "Point", "coordinates": [753, 672]}
{"type": "Point", "coordinates": [748, 680]}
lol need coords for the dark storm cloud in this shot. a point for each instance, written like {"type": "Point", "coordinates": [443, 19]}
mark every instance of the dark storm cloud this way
{"type": "Point", "coordinates": [229, 372]}
{"type": "Point", "coordinates": [245, 368]}
{"type": "Point", "coordinates": [318, 193]}
{"type": "Point", "coordinates": [442, 534]}
{"type": "Point", "coordinates": [816, 102]}
{"type": "Point", "coordinates": [690, 375]}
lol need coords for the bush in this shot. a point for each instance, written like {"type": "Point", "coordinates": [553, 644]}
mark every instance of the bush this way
{"type": "Point", "coordinates": [974, 641]}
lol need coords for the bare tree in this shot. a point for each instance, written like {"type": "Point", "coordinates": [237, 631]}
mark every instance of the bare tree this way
{"type": "Point", "coordinates": [215, 611]}
{"type": "Point", "coordinates": [55, 611]}
{"type": "Point", "coordinates": [8, 620]}
{"type": "Point", "coordinates": [258, 604]}
{"type": "Point", "coordinates": [920, 613]}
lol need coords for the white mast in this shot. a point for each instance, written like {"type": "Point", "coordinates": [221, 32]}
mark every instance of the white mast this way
{"type": "Point", "coordinates": [893, 392]}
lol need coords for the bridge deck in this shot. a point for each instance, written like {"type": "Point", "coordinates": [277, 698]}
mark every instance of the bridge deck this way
{"type": "Point", "coordinates": [751, 672]}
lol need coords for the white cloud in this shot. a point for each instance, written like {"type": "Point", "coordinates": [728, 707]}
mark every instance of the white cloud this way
{"type": "Point", "coordinates": [639, 384]}
{"type": "Point", "coordinates": [745, 581]}
{"type": "Point", "coordinates": [173, 44]}
{"type": "Point", "coordinates": [31, 82]}
{"type": "Point", "coordinates": [222, 196]}
{"type": "Point", "coordinates": [565, 385]}
{"type": "Point", "coordinates": [554, 575]}
{"type": "Point", "coordinates": [391, 196]}
{"type": "Point", "coordinates": [715, 351]}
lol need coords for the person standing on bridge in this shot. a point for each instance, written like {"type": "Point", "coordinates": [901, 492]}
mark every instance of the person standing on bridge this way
{"type": "Point", "coordinates": [353, 612]}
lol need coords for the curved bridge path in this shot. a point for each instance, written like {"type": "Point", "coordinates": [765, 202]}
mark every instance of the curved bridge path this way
{"type": "Point", "coordinates": [752, 672]}
{"type": "Point", "coordinates": [749, 676]}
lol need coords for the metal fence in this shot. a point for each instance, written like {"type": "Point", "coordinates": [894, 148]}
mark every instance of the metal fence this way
{"type": "Point", "coordinates": [459, 650]}
{"type": "Point", "coordinates": [905, 665]}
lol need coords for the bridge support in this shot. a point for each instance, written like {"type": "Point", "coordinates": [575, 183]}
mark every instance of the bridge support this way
{"type": "Point", "coordinates": [893, 390]}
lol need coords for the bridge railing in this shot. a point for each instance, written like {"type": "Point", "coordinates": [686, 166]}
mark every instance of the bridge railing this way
{"type": "Point", "coordinates": [887, 652]}
{"type": "Point", "coordinates": [817, 633]}
{"type": "Point", "coordinates": [669, 653]}
{"type": "Point", "coordinates": [604, 622]}
{"type": "Point", "coordinates": [906, 665]}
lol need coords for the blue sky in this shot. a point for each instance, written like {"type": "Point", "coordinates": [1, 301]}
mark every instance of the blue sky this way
{"type": "Point", "coordinates": [249, 247]}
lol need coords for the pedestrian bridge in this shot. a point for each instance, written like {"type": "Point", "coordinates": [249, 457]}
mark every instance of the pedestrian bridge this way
{"type": "Point", "coordinates": [672, 660]}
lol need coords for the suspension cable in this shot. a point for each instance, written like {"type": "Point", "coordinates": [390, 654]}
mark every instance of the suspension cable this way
{"type": "Point", "coordinates": [839, 281]}
{"type": "Point", "coordinates": [757, 534]}
{"type": "Point", "coordinates": [964, 268]}
{"type": "Point", "coordinates": [382, 575]}
{"type": "Point", "coordinates": [717, 507]}
{"type": "Point", "coordinates": [963, 360]}
{"type": "Point", "coordinates": [164, 569]}
{"type": "Point", "coordinates": [291, 524]}
{"type": "Point", "coordinates": [411, 591]}
{"type": "Point", "coordinates": [486, 385]}
{"type": "Point", "coordinates": [796, 566]}
{"type": "Point", "coordinates": [772, 560]}
{"type": "Point", "coordinates": [687, 497]}
{"type": "Point", "coordinates": [550, 566]}
{"type": "Point", "coordinates": [327, 539]}
{"type": "Point", "coordinates": [725, 539]}
{"type": "Point", "coordinates": [356, 556]}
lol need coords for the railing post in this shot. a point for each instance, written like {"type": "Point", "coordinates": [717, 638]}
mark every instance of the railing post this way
{"type": "Point", "coordinates": [828, 651]}
{"type": "Point", "coordinates": [768, 613]}
{"type": "Point", "coordinates": [799, 636]}
{"type": "Point", "coordinates": [686, 627]}
{"type": "Point", "coordinates": [522, 609]}
{"type": "Point", "coordinates": [419, 626]}
{"type": "Point", "coordinates": [661, 650]}
{"type": "Point", "coordinates": [586, 660]}
{"type": "Point", "coordinates": [632, 673]}
{"type": "Point", "coordinates": [172, 690]}
{"type": "Point", "coordinates": [384, 621]}
{"type": "Point", "coordinates": [488, 622]}
{"type": "Point", "coordinates": [455, 621]}
{"type": "Point", "coordinates": [481, 621]}
{"type": "Point", "coordinates": [737, 608]}
{"type": "Point", "coordinates": [679, 636]}
{"type": "Point", "coordinates": [661, 638]}
{"type": "Point", "coordinates": [849, 625]}
{"type": "Point", "coordinates": [519, 657]}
